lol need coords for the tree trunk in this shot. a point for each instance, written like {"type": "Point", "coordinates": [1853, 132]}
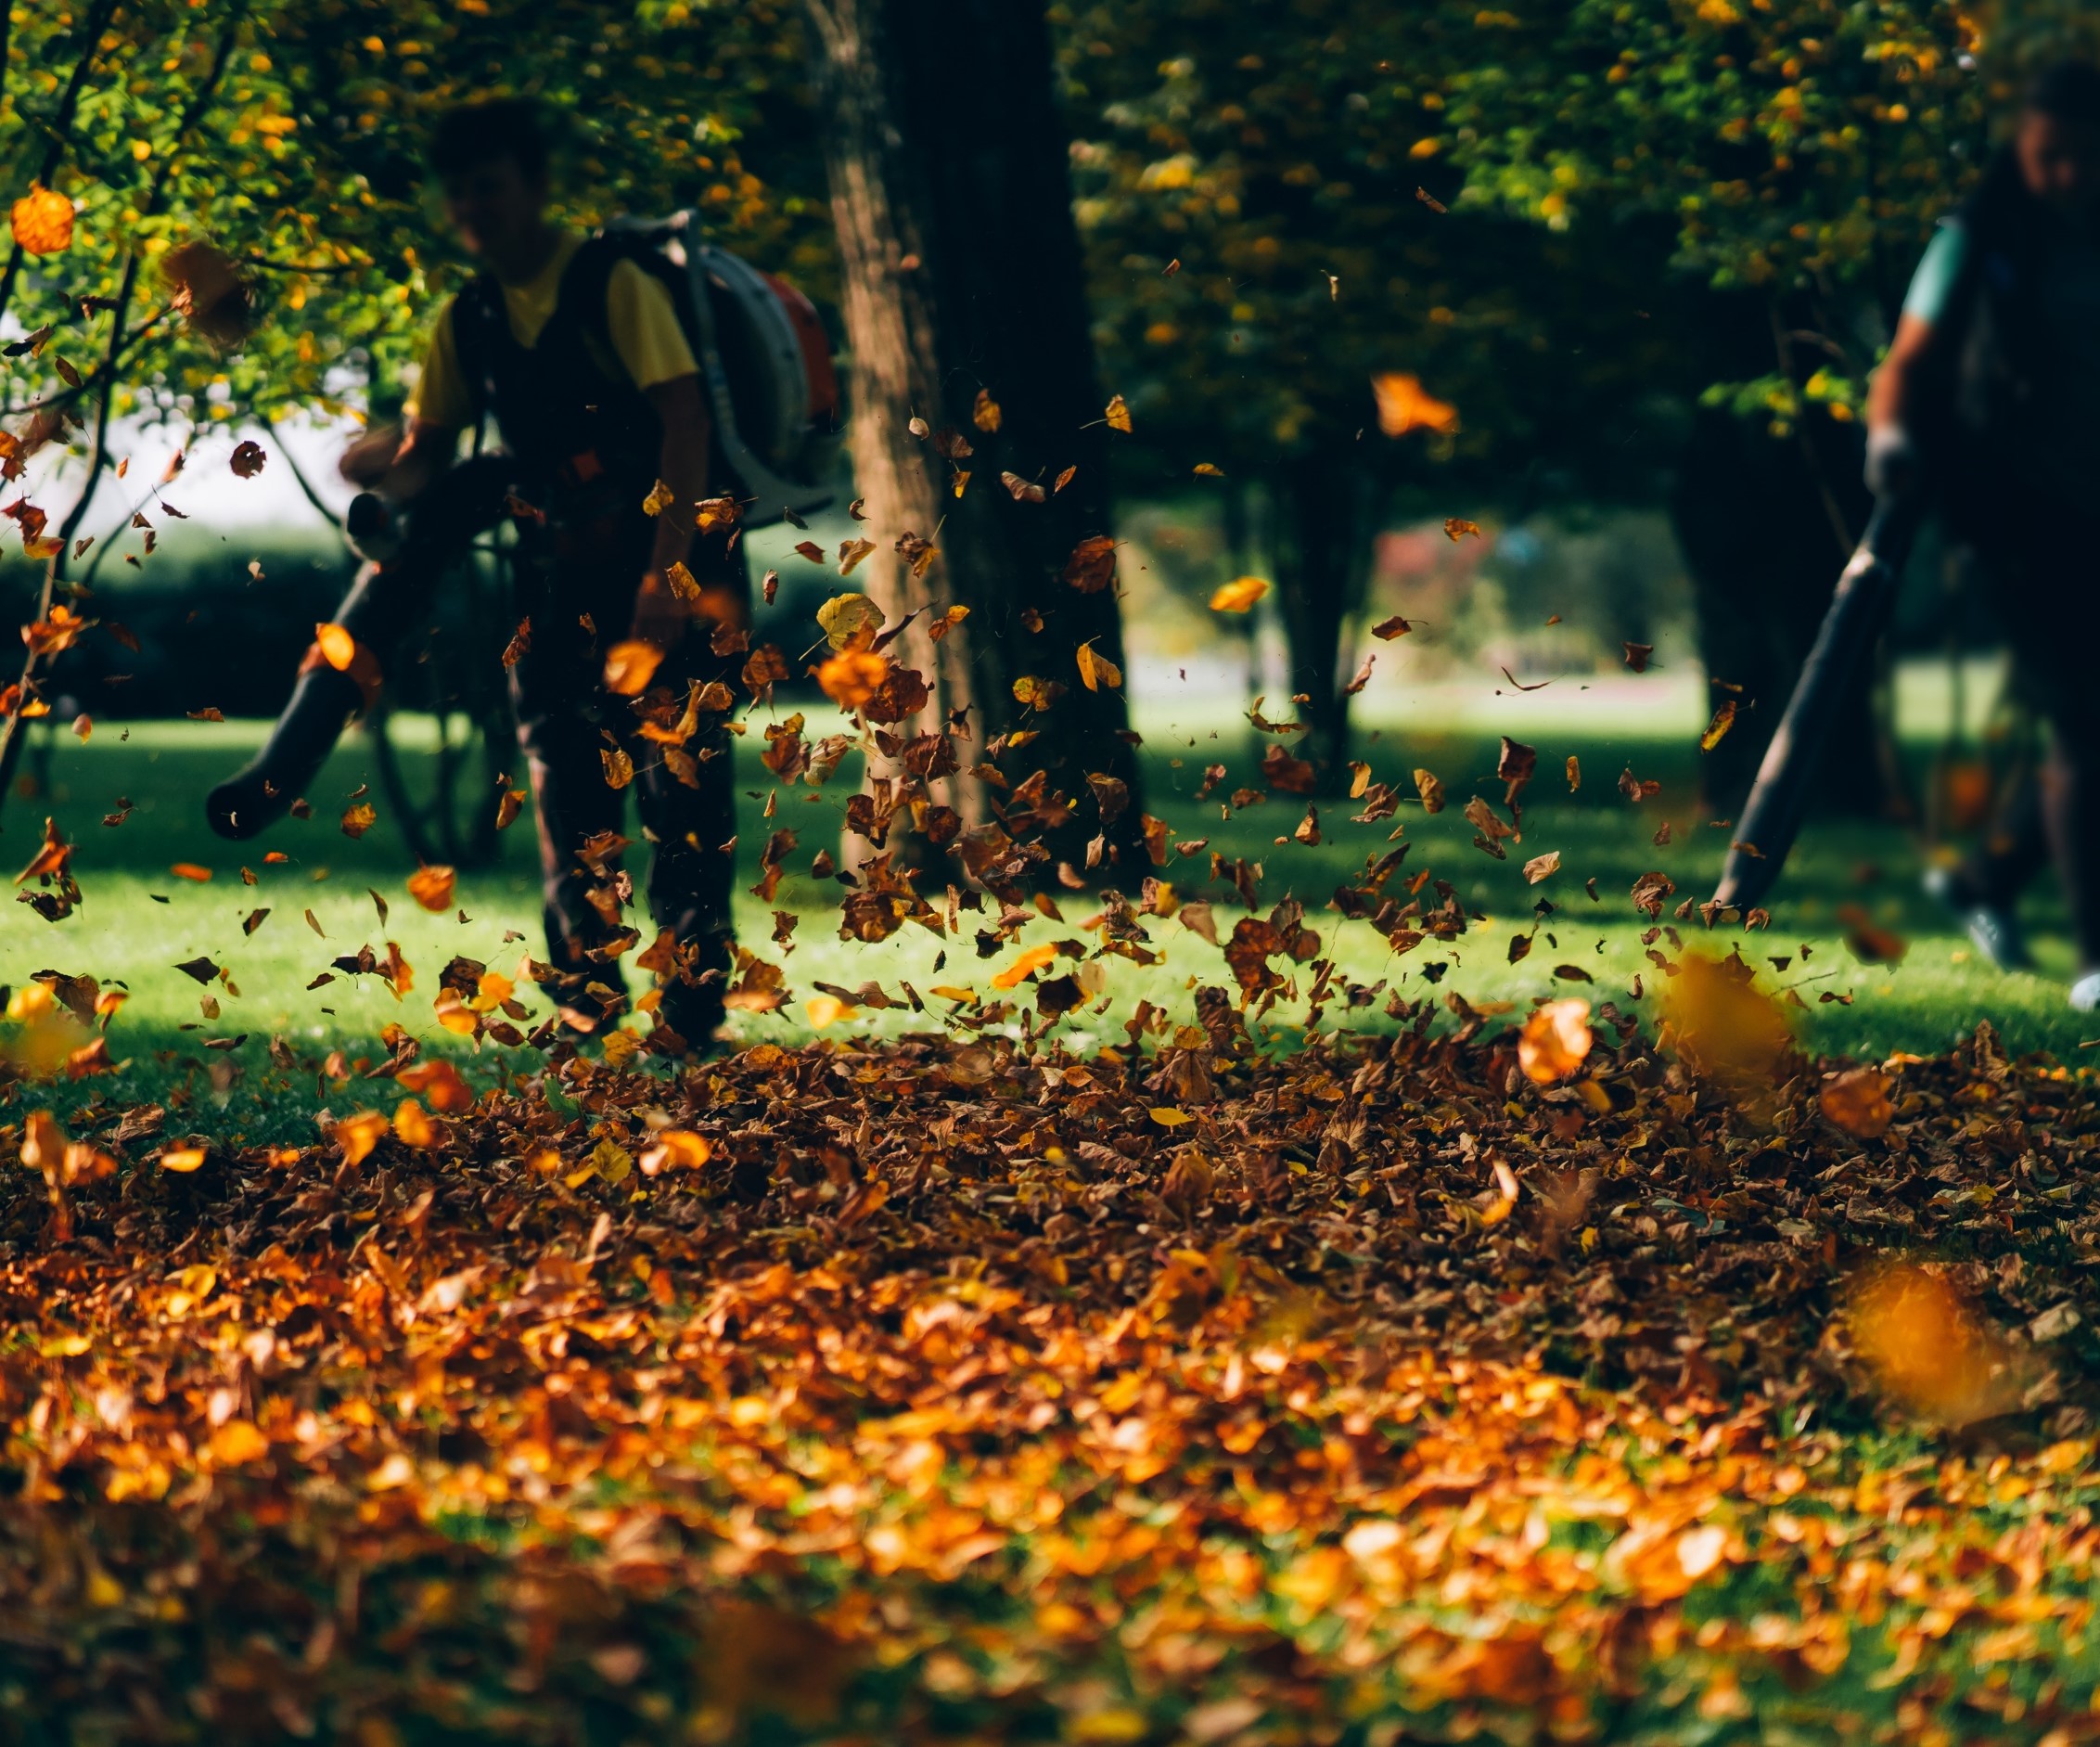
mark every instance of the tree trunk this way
{"type": "Point", "coordinates": [950, 188]}
{"type": "Point", "coordinates": [1323, 524]}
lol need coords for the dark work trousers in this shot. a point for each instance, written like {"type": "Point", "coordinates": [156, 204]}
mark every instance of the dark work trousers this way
{"type": "Point", "coordinates": [589, 565]}
{"type": "Point", "coordinates": [2044, 560]}
{"type": "Point", "coordinates": [2015, 846]}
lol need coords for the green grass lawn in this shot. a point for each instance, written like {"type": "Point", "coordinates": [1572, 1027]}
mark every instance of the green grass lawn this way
{"type": "Point", "coordinates": [139, 919]}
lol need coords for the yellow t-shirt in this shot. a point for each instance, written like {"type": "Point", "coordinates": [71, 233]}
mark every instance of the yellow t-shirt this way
{"type": "Point", "coordinates": [649, 344]}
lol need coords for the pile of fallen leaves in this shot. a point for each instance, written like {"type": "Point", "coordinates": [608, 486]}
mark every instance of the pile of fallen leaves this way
{"type": "Point", "coordinates": [1409, 1386]}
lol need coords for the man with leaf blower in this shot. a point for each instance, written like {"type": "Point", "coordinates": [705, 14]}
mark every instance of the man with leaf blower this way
{"type": "Point", "coordinates": [1989, 400]}
{"type": "Point", "coordinates": [576, 348]}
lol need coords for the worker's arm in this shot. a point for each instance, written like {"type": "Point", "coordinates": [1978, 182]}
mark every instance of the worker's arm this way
{"type": "Point", "coordinates": [401, 467]}
{"type": "Point", "coordinates": [1895, 396]}
{"type": "Point", "coordinates": [1892, 398]}
{"type": "Point", "coordinates": [682, 465]}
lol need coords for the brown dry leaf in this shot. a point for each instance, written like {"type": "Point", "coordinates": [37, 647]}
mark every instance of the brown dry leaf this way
{"type": "Point", "coordinates": [1458, 529]}
{"type": "Point", "coordinates": [1387, 630]}
{"type": "Point", "coordinates": [1092, 566]}
{"type": "Point", "coordinates": [359, 818]}
{"type": "Point", "coordinates": [1541, 866]}
{"type": "Point", "coordinates": [1431, 789]}
{"type": "Point", "coordinates": [985, 413]}
{"type": "Point", "coordinates": [619, 767]}
{"type": "Point", "coordinates": [1857, 1101]}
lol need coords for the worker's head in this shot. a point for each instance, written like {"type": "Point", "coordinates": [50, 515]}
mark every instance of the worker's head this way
{"type": "Point", "coordinates": [2058, 138]}
{"type": "Point", "coordinates": [491, 159]}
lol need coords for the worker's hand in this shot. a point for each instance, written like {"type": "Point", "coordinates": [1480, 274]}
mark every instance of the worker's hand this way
{"type": "Point", "coordinates": [660, 616]}
{"type": "Point", "coordinates": [1891, 461]}
{"type": "Point", "coordinates": [368, 459]}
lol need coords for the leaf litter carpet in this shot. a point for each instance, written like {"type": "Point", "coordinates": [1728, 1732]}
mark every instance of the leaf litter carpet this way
{"type": "Point", "coordinates": [1400, 1388]}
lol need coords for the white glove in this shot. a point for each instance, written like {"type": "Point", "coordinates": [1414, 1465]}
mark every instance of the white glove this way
{"type": "Point", "coordinates": [1891, 461]}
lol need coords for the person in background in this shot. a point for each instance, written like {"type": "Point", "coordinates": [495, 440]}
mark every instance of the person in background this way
{"type": "Point", "coordinates": [578, 354]}
{"type": "Point", "coordinates": [1989, 402]}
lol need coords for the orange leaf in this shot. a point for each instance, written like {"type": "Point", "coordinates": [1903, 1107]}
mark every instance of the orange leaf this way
{"type": "Point", "coordinates": [431, 887]}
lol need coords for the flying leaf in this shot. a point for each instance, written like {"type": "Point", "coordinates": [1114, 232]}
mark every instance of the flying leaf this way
{"type": "Point", "coordinates": [849, 619]}
{"type": "Point", "coordinates": [1405, 405]}
{"type": "Point", "coordinates": [630, 666]}
{"type": "Point", "coordinates": [1239, 595]}
{"type": "Point", "coordinates": [432, 886]}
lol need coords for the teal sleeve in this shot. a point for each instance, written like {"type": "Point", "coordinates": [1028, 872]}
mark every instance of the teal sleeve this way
{"type": "Point", "coordinates": [1933, 284]}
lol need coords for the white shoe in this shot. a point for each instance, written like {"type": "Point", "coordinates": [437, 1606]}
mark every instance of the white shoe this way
{"type": "Point", "coordinates": [2086, 993]}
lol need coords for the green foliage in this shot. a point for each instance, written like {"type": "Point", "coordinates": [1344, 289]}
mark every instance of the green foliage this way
{"type": "Point", "coordinates": [290, 135]}
{"type": "Point", "coordinates": [1267, 153]}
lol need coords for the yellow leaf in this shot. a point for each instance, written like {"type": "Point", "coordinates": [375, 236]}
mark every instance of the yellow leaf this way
{"type": "Point", "coordinates": [237, 1442]}
{"type": "Point", "coordinates": [1095, 671]}
{"type": "Point", "coordinates": [182, 1157]}
{"type": "Point", "coordinates": [359, 1134]}
{"type": "Point", "coordinates": [849, 619]}
{"type": "Point", "coordinates": [1167, 1117]}
{"type": "Point", "coordinates": [676, 1147]}
{"type": "Point", "coordinates": [1554, 1042]}
{"type": "Point", "coordinates": [338, 647]}
{"type": "Point", "coordinates": [630, 666]}
{"type": "Point", "coordinates": [985, 415]}
{"type": "Point", "coordinates": [826, 1009]}
{"type": "Point", "coordinates": [1405, 406]}
{"type": "Point", "coordinates": [659, 499]}
{"type": "Point", "coordinates": [1239, 595]}
{"type": "Point", "coordinates": [42, 222]}
{"type": "Point", "coordinates": [1027, 965]}
{"type": "Point", "coordinates": [1118, 414]}
{"type": "Point", "coordinates": [431, 887]}
{"type": "Point", "coordinates": [413, 1123]}
{"type": "Point", "coordinates": [618, 767]}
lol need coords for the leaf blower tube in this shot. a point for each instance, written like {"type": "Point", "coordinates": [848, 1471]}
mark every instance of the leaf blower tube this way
{"type": "Point", "coordinates": [1859, 610]}
{"type": "Point", "coordinates": [407, 553]}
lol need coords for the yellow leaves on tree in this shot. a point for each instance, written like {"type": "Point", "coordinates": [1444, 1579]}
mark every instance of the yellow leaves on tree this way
{"type": "Point", "coordinates": [42, 222]}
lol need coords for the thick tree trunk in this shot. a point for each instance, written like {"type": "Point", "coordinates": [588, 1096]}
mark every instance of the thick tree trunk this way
{"type": "Point", "coordinates": [952, 194]}
{"type": "Point", "coordinates": [1323, 525]}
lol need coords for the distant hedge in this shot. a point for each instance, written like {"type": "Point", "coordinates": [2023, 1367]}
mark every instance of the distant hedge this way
{"type": "Point", "coordinates": [212, 634]}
